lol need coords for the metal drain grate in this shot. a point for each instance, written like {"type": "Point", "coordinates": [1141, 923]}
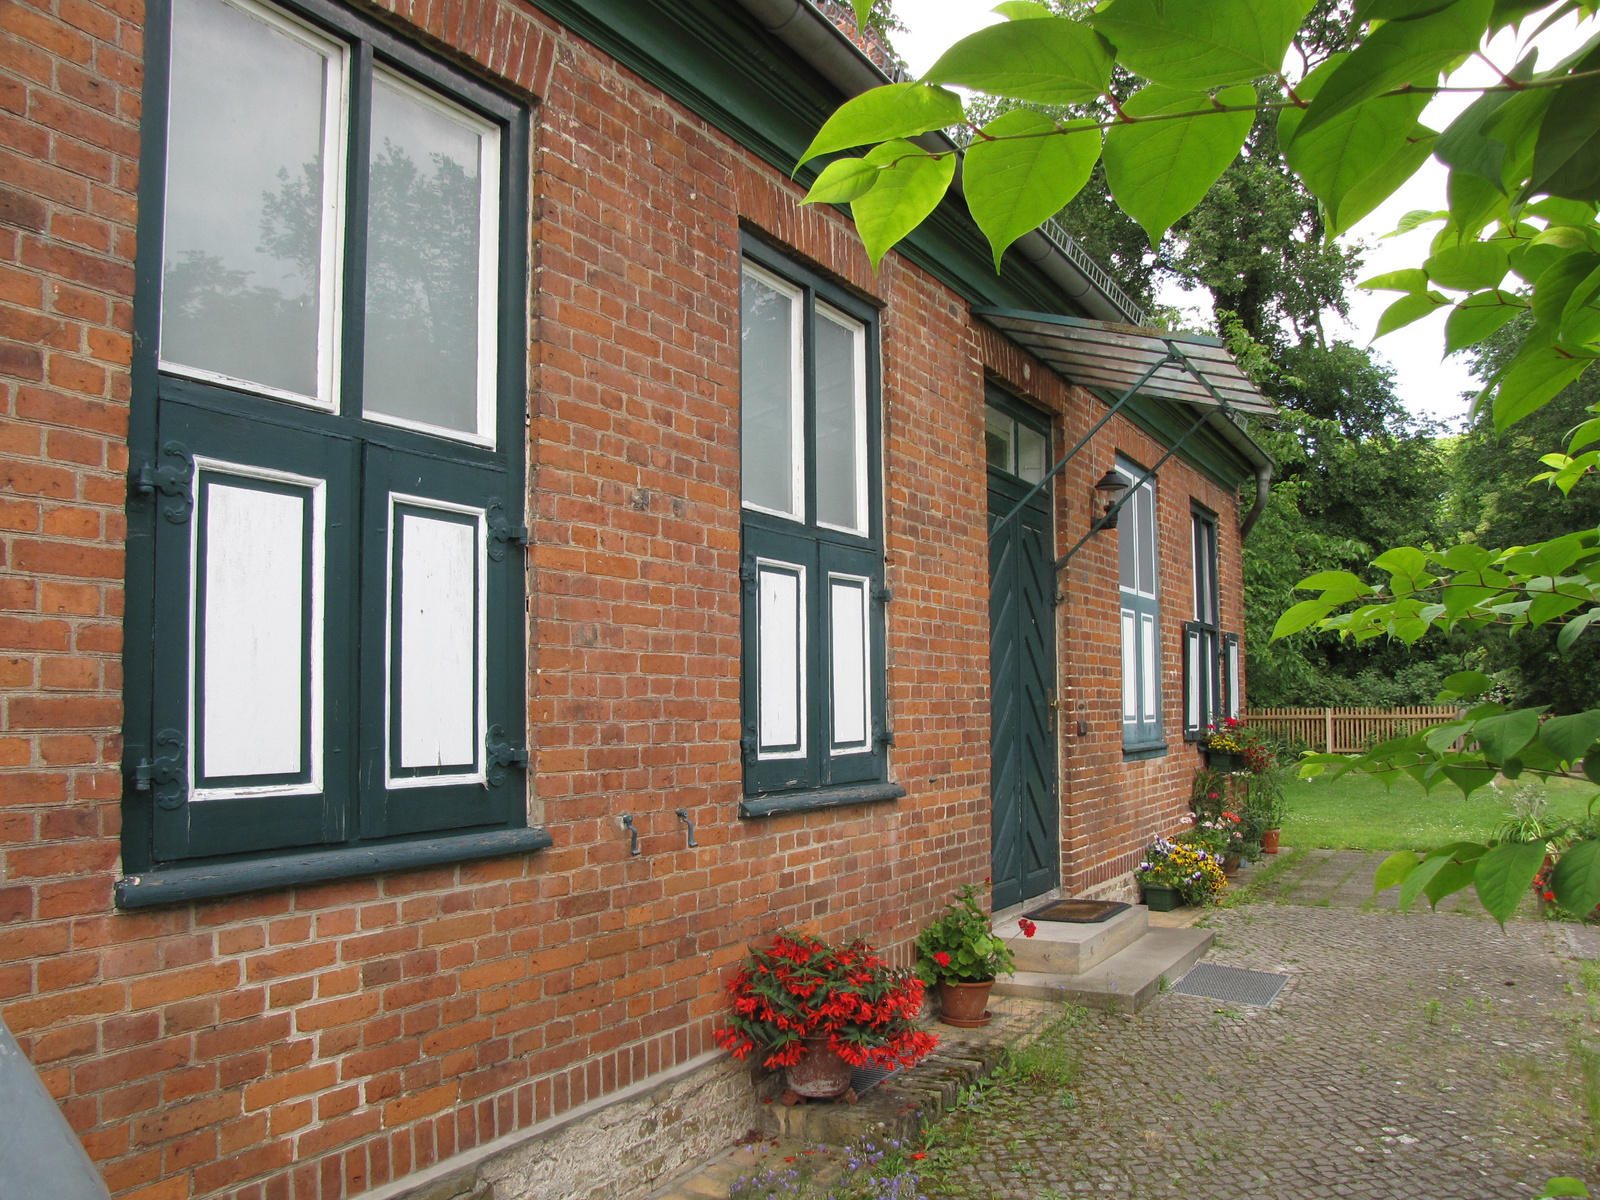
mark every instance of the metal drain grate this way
{"type": "Point", "coordinates": [864, 1079]}
{"type": "Point", "coordinates": [1233, 984]}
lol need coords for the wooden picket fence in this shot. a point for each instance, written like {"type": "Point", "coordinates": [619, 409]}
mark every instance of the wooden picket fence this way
{"type": "Point", "coordinates": [1348, 730]}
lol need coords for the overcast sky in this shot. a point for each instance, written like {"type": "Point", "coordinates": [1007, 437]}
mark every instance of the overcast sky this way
{"type": "Point", "coordinates": [1428, 384]}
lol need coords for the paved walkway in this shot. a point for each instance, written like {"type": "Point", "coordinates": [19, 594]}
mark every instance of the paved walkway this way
{"type": "Point", "coordinates": [1343, 879]}
{"type": "Point", "coordinates": [1410, 1057]}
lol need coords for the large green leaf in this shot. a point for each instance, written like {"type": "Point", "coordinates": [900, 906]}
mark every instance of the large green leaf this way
{"type": "Point", "coordinates": [1383, 182]}
{"type": "Point", "coordinates": [1339, 154]}
{"type": "Point", "coordinates": [1566, 157]}
{"type": "Point", "coordinates": [1408, 309]}
{"type": "Point", "coordinates": [842, 181]}
{"type": "Point", "coordinates": [1558, 281]}
{"type": "Point", "coordinates": [1411, 279]}
{"type": "Point", "coordinates": [1201, 44]}
{"type": "Point", "coordinates": [1469, 266]}
{"type": "Point", "coordinates": [1534, 382]}
{"type": "Point", "coordinates": [1398, 10]}
{"type": "Point", "coordinates": [1449, 879]}
{"type": "Point", "coordinates": [1570, 737]}
{"type": "Point", "coordinates": [895, 110]}
{"type": "Point", "coordinates": [1416, 880]}
{"type": "Point", "coordinates": [1505, 874]}
{"type": "Point", "coordinates": [1478, 316]}
{"type": "Point", "coordinates": [1469, 778]}
{"type": "Point", "coordinates": [1394, 869]}
{"type": "Point", "coordinates": [1300, 616]}
{"type": "Point", "coordinates": [1022, 10]}
{"type": "Point", "coordinates": [1049, 61]}
{"type": "Point", "coordinates": [1474, 203]}
{"type": "Point", "coordinates": [1576, 881]}
{"type": "Point", "coordinates": [1159, 170]}
{"type": "Point", "coordinates": [1028, 174]}
{"type": "Point", "coordinates": [1466, 683]}
{"type": "Point", "coordinates": [909, 188]}
{"type": "Point", "coordinates": [1501, 737]}
{"type": "Point", "coordinates": [1463, 146]}
{"type": "Point", "coordinates": [1399, 53]}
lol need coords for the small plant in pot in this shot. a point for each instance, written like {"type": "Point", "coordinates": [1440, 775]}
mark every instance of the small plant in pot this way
{"type": "Point", "coordinates": [1174, 873]}
{"type": "Point", "coordinates": [960, 953]}
{"type": "Point", "coordinates": [818, 1010]}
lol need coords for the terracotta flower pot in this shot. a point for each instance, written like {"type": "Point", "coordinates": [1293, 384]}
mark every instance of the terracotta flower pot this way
{"type": "Point", "coordinates": [1269, 840]}
{"type": "Point", "coordinates": [821, 1074]}
{"type": "Point", "coordinates": [1231, 863]}
{"type": "Point", "coordinates": [965, 1005]}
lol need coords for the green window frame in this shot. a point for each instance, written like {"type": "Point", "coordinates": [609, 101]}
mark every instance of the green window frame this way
{"type": "Point", "coordinates": [1203, 679]}
{"type": "Point", "coordinates": [1139, 611]}
{"type": "Point", "coordinates": [325, 653]}
{"type": "Point", "coordinates": [814, 694]}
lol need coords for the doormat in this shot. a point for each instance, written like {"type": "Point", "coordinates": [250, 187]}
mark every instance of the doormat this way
{"type": "Point", "coordinates": [1078, 912]}
{"type": "Point", "coordinates": [1256, 989]}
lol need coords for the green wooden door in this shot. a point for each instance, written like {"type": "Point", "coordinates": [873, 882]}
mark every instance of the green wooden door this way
{"type": "Point", "coordinates": [1022, 680]}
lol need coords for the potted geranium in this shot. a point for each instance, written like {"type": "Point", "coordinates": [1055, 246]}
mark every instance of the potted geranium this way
{"type": "Point", "coordinates": [961, 954]}
{"type": "Point", "coordinates": [1174, 873]}
{"type": "Point", "coordinates": [818, 1010]}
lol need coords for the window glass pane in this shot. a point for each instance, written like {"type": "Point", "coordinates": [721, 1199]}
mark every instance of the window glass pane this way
{"type": "Point", "coordinates": [781, 649]}
{"type": "Point", "coordinates": [841, 421]}
{"type": "Point", "coordinates": [1031, 449]}
{"type": "Point", "coordinates": [1145, 522]}
{"type": "Point", "coordinates": [428, 357]}
{"type": "Point", "coordinates": [997, 439]}
{"type": "Point", "coordinates": [848, 624]}
{"type": "Point", "coordinates": [769, 392]}
{"type": "Point", "coordinates": [1233, 679]}
{"type": "Point", "coordinates": [246, 271]}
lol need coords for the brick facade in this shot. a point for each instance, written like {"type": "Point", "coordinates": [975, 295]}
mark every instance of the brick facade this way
{"type": "Point", "coordinates": [324, 1040]}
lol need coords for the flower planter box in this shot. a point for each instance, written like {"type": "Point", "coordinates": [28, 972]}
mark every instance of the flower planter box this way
{"type": "Point", "coordinates": [1225, 761]}
{"type": "Point", "coordinates": [1162, 899]}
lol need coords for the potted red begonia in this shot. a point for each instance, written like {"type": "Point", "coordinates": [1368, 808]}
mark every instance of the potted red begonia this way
{"type": "Point", "coordinates": [819, 1010]}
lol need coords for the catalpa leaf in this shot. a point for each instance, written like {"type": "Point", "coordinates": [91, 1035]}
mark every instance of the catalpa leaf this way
{"type": "Point", "coordinates": [1532, 383]}
{"type": "Point", "coordinates": [1465, 683]}
{"type": "Point", "coordinates": [1503, 736]}
{"type": "Point", "coordinates": [909, 188]}
{"type": "Point", "coordinates": [895, 110]}
{"type": "Point", "coordinates": [1463, 146]}
{"type": "Point", "coordinates": [1453, 877]}
{"type": "Point", "coordinates": [1384, 181]}
{"type": "Point", "coordinates": [1408, 309]}
{"type": "Point", "coordinates": [842, 181]}
{"type": "Point", "coordinates": [1416, 219]}
{"type": "Point", "coordinates": [1025, 174]}
{"type": "Point", "coordinates": [1300, 616]}
{"type": "Point", "coordinates": [1504, 876]}
{"type": "Point", "coordinates": [1478, 316]}
{"type": "Point", "coordinates": [1416, 880]}
{"type": "Point", "coordinates": [1412, 279]}
{"type": "Point", "coordinates": [1469, 266]}
{"type": "Point", "coordinates": [1048, 60]}
{"type": "Point", "coordinates": [1569, 738]}
{"type": "Point", "coordinates": [1159, 169]}
{"type": "Point", "coordinates": [1022, 10]}
{"type": "Point", "coordinates": [1201, 44]}
{"type": "Point", "coordinates": [1398, 53]}
{"type": "Point", "coordinates": [1566, 157]}
{"type": "Point", "coordinates": [1394, 869]}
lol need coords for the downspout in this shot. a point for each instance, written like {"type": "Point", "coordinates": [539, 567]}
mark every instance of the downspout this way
{"type": "Point", "coordinates": [1263, 490]}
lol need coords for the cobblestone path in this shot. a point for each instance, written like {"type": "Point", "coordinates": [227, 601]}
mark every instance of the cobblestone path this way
{"type": "Point", "coordinates": [1420, 1057]}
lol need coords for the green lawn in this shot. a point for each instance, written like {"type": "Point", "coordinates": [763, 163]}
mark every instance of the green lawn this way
{"type": "Point", "coordinates": [1358, 812]}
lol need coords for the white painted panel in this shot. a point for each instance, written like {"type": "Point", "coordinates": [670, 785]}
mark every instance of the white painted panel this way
{"type": "Point", "coordinates": [1197, 668]}
{"type": "Point", "coordinates": [1233, 679]}
{"type": "Point", "coordinates": [437, 650]}
{"type": "Point", "coordinates": [252, 671]}
{"type": "Point", "coordinates": [848, 623]}
{"type": "Point", "coordinates": [1130, 669]}
{"type": "Point", "coordinates": [1148, 664]}
{"type": "Point", "coordinates": [782, 650]}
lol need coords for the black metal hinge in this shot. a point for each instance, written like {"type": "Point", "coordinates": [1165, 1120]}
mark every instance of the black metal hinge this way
{"type": "Point", "coordinates": [163, 775]}
{"type": "Point", "coordinates": [502, 532]}
{"type": "Point", "coordinates": [501, 754]}
{"type": "Point", "coordinates": [748, 742]}
{"type": "Point", "coordinates": [747, 574]}
{"type": "Point", "coordinates": [884, 737]}
{"type": "Point", "coordinates": [883, 594]}
{"type": "Point", "coordinates": [174, 480]}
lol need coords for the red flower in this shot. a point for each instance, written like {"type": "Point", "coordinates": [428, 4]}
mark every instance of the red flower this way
{"type": "Point", "coordinates": [940, 957]}
{"type": "Point", "coordinates": [1028, 927]}
{"type": "Point", "coordinates": [1549, 895]}
{"type": "Point", "coordinates": [920, 1154]}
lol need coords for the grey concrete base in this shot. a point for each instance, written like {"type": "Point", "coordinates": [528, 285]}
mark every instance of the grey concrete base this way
{"type": "Point", "coordinates": [1126, 981]}
{"type": "Point", "coordinates": [1066, 948]}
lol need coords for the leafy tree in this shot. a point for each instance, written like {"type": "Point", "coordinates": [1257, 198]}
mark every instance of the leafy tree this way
{"type": "Point", "coordinates": [1518, 235]}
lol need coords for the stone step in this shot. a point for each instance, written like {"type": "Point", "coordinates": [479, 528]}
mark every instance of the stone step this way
{"type": "Point", "coordinates": [1068, 948]}
{"type": "Point", "coordinates": [1126, 981]}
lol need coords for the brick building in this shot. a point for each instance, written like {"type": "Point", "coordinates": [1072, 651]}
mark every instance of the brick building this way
{"type": "Point", "coordinates": [475, 553]}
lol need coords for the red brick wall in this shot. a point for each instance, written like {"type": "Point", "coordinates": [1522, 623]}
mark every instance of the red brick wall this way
{"type": "Point", "coordinates": [322, 1040]}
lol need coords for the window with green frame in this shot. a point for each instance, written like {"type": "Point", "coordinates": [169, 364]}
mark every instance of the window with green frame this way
{"type": "Point", "coordinates": [1210, 656]}
{"type": "Point", "coordinates": [815, 731]}
{"type": "Point", "coordinates": [325, 659]}
{"type": "Point", "coordinates": [1139, 612]}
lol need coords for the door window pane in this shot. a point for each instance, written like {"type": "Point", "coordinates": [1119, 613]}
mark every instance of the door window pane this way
{"type": "Point", "coordinates": [841, 421]}
{"type": "Point", "coordinates": [1031, 449]}
{"type": "Point", "coordinates": [770, 396]}
{"type": "Point", "coordinates": [997, 439]}
{"type": "Point", "coordinates": [254, 147]}
{"type": "Point", "coordinates": [431, 287]}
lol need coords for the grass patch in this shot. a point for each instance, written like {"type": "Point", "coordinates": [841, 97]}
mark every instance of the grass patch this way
{"type": "Point", "coordinates": [1263, 875]}
{"type": "Point", "coordinates": [1357, 812]}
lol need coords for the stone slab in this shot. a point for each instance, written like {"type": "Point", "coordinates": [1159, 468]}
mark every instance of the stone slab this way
{"type": "Point", "coordinates": [1126, 982]}
{"type": "Point", "coordinates": [1068, 948]}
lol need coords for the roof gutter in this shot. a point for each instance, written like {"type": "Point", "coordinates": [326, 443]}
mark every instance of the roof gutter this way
{"type": "Point", "coordinates": [842, 63]}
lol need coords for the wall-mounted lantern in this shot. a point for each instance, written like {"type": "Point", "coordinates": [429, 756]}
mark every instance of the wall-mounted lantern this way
{"type": "Point", "coordinates": [1108, 493]}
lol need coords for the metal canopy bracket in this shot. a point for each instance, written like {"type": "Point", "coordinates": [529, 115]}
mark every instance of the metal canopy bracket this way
{"type": "Point", "coordinates": [1132, 361]}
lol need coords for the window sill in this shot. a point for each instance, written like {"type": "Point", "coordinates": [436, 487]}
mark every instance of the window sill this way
{"type": "Point", "coordinates": [178, 884]}
{"type": "Point", "coordinates": [1139, 753]}
{"type": "Point", "coordinates": [856, 793]}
